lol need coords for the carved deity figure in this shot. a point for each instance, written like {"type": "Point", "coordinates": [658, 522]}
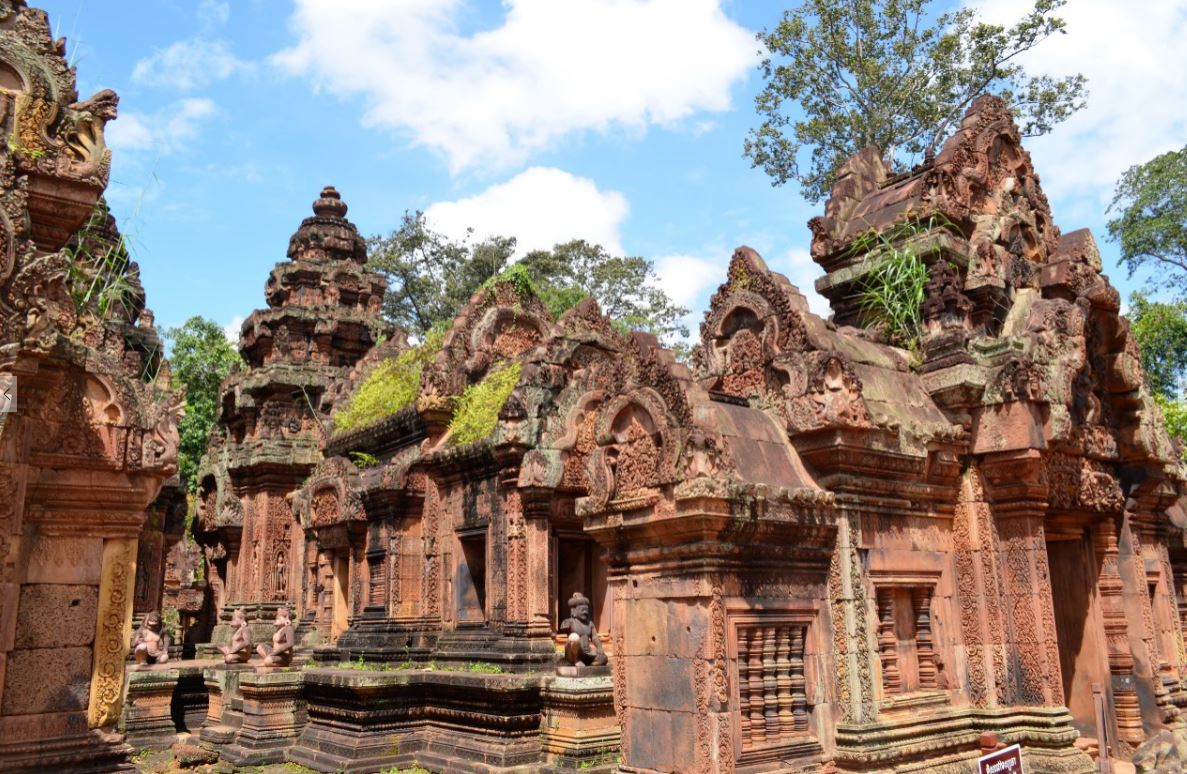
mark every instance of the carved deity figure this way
{"type": "Point", "coordinates": [583, 646]}
{"type": "Point", "coordinates": [281, 652]}
{"type": "Point", "coordinates": [150, 645]}
{"type": "Point", "coordinates": [239, 651]}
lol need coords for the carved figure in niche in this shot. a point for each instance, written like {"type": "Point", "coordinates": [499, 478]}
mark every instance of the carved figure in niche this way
{"type": "Point", "coordinates": [150, 645]}
{"type": "Point", "coordinates": [583, 645]}
{"type": "Point", "coordinates": [281, 652]}
{"type": "Point", "coordinates": [279, 579]}
{"type": "Point", "coordinates": [836, 393]}
{"type": "Point", "coordinates": [239, 651]}
{"type": "Point", "coordinates": [941, 675]}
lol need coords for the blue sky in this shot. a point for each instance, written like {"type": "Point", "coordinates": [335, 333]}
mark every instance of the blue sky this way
{"type": "Point", "coordinates": [618, 121]}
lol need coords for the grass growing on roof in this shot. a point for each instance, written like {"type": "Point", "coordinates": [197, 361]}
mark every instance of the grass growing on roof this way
{"type": "Point", "coordinates": [477, 410]}
{"type": "Point", "coordinates": [393, 384]}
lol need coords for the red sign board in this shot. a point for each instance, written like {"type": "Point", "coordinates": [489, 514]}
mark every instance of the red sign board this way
{"type": "Point", "coordinates": [1005, 761]}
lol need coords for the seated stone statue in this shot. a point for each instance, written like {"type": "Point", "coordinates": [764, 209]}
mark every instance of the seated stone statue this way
{"type": "Point", "coordinates": [281, 652]}
{"type": "Point", "coordinates": [239, 651]}
{"type": "Point", "coordinates": [149, 644]}
{"type": "Point", "coordinates": [583, 645]}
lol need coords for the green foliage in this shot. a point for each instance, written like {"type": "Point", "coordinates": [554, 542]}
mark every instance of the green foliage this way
{"type": "Point", "coordinates": [200, 357]}
{"type": "Point", "coordinates": [99, 270]}
{"type": "Point", "coordinates": [363, 459]}
{"type": "Point", "coordinates": [1174, 415]}
{"type": "Point", "coordinates": [431, 277]}
{"type": "Point", "coordinates": [1151, 222]}
{"type": "Point", "coordinates": [481, 667]}
{"type": "Point", "coordinates": [1161, 333]}
{"type": "Point", "coordinates": [392, 385]}
{"type": "Point", "coordinates": [893, 74]}
{"type": "Point", "coordinates": [416, 769]}
{"type": "Point", "coordinates": [476, 412]}
{"type": "Point", "coordinates": [892, 285]}
{"type": "Point", "coordinates": [626, 288]}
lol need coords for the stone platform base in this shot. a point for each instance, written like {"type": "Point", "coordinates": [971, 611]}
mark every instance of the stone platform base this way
{"type": "Point", "coordinates": [442, 721]}
{"type": "Point", "coordinates": [947, 741]}
{"type": "Point", "coordinates": [60, 742]}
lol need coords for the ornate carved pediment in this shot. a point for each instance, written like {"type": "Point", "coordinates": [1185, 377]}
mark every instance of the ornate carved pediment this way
{"type": "Point", "coordinates": [831, 398]}
{"type": "Point", "coordinates": [501, 322]}
{"type": "Point", "coordinates": [752, 318]}
{"type": "Point", "coordinates": [331, 495]}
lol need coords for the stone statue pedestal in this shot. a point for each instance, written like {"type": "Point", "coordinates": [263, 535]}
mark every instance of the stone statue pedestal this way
{"type": "Point", "coordinates": [147, 720]}
{"type": "Point", "coordinates": [273, 714]}
{"type": "Point", "coordinates": [580, 729]}
{"type": "Point", "coordinates": [581, 670]}
{"type": "Point", "coordinates": [224, 713]}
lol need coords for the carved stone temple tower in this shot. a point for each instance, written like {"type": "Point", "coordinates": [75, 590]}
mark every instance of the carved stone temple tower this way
{"type": "Point", "coordinates": [322, 317]}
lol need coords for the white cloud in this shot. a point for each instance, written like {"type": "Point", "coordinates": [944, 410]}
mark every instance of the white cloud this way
{"type": "Point", "coordinates": [188, 65]}
{"type": "Point", "coordinates": [490, 98]}
{"type": "Point", "coordinates": [231, 329]}
{"type": "Point", "coordinates": [687, 279]}
{"type": "Point", "coordinates": [1134, 59]}
{"type": "Point", "coordinates": [540, 207]}
{"type": "Point", "coordinates": [161, 132]}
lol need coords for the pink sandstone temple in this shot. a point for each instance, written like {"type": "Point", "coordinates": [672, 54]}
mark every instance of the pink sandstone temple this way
{"type": "Point", "coordinates": [805, 551]}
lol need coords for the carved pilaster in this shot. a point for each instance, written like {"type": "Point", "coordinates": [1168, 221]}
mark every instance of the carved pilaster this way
{"type": "Point", "coordinates": [1110, 588]}
{"type": "Point", "coordinates": [113, 632]}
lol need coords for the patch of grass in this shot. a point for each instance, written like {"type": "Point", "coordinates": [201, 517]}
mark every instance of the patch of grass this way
{"type": "Point", "coordinates": [482, 667]}
{"type": "Point", "coordinates": [476, 413]}
{"type": "Point", "coordinates": [391, 386]}
{"type": "Point", "coordinates": [416, 769]}
{"type": "Point", "coordinates": [892, 288]}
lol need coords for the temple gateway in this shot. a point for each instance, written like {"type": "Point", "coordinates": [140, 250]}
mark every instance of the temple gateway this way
{"type": "Point", "coordinates": [529, 543]}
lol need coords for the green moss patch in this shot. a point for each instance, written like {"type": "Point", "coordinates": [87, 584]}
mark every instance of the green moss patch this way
{"type": "Point", "coordinates": [476, 412]}
{"type": "Point", "coordinates": [393, 385]}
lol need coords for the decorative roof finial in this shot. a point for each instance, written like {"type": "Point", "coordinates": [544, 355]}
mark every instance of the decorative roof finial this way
{"type": "Point", "coordinates": [330, 204]}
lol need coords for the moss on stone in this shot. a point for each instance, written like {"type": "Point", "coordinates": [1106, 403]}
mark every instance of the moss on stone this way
{"type": "Point", "coordinates": [476, 412]}
{"type": "Point", "coordinates": [391, 386]}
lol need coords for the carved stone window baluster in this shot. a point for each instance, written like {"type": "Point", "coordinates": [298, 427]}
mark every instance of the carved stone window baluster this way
{"type": "Point", "coordinates": [921, 601]}
{"type": "Point", "coordinates": [888, 642]}
{"type": "Point", "coordinates": [754, 651]}
{"type": "Point", "coordinates": [783, 675]}
{"type": "Point", "coordinates": [799, 696]}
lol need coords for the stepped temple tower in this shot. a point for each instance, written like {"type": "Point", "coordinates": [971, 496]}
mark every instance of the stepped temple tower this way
{"type": "Point", "coordinates": [322, 317]}
{"type": "Point", "coordinates": [88, 424]}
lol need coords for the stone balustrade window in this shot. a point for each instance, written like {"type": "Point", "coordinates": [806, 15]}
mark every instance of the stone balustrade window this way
{"type": "Point", "coordinates": [905, 646]}
{"type": "Point", "coordinates": [770, 658]}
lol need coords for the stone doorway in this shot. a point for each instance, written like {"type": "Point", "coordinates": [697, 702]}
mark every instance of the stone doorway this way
{"type": "Point", "coordinates": [1083, 654]}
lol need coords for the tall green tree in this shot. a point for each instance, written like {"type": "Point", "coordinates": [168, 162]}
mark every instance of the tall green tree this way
{"type": "Point", "coordinates": [626, 288]}
{"type": "Point", "coordinates": [430, 278]}
{"type": "Point", "coordinates": [1161, 332]}
{"type": "Point", "coordinates": [1160, 329]}
{"type": "Point", "coordinates": [1151, 223]}
{"type": "Point", "coordinates": [200, 357]}
{"type": "Point", "coordinates": [841, 76]}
